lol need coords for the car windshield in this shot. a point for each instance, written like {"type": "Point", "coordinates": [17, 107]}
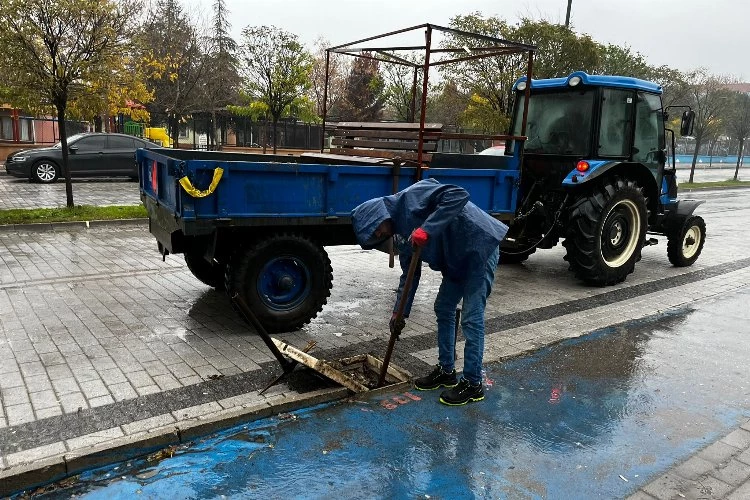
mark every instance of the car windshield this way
{"type": "Point", "coordinates": [558, 123]}
{"type": "Point", "coordinates": [71, 139]}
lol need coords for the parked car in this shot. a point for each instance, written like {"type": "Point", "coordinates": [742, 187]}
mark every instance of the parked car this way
{"type": "Point", "coordinates": [494, 151]}
{"type": "Point", "coordinates": [90, 154]}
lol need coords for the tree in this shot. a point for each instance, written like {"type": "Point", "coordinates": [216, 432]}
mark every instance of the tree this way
{"type": "Point", "coordinates": [222, 77]}
{"type": "Point", "coordinates": [447, 104]}
{"type": "Point", "coordinates": [276, 69]}
{"type": "Point", "coordinates": [172, 56]}
{"type": "Point", "coordinates": [738, 124]}
{"type": "Point", "coordinates": [479, 115]}
{"type": "Point", "coordinates": [491, 78]}
{"type": "Point", "coordinates": [122, 90]}
{"type": "Point", "coordinates": [560, 52]}
{"type": "Point", "coordinates": [709, 99]}
{"type": "Point", "coordinates": [622, 61]}
{"type": "Point", "coordinates": [364, 96]}
{"type": "Point", "coordinates": [399, 81]}
{"type": "Point", "coordinates": [55, 49]}
{"type": "Point", "coordinates": [338, 69]}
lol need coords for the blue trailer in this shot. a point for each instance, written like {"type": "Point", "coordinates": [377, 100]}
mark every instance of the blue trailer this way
{"type": "Point", "coordinates": [258, 224]}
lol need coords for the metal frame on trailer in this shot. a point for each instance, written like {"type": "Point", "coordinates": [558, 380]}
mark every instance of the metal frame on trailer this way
{"type": "Point", "coordinates": [499, 47]}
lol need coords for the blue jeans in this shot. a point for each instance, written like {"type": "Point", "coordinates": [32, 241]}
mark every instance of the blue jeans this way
{"type": "Point", "coordinates": [474, 291]}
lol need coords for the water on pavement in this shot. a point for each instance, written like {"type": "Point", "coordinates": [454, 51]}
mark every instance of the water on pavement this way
{"type": "Point", "coordinates": [593, 417]}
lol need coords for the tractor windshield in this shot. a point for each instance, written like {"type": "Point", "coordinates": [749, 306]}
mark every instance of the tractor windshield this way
{"type": "Point", "coordinates": [559, 123]}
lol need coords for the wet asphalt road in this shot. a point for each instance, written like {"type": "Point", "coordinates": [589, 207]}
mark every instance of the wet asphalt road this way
{"type": "Point", "coordinates": [712, 174]}
{"type": "Point", "coordinates": [594, 417]}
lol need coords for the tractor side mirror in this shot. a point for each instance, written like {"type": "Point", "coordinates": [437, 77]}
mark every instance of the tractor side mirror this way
{"type": "Point", "coordinates": [686, 124]}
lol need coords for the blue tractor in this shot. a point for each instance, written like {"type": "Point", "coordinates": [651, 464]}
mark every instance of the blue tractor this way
{"type": "Point", "coordinates": [594, 173]}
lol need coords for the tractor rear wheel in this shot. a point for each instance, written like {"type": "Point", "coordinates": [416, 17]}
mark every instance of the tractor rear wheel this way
{"type": "Point", "coordinates": [605, 232]}
{"type": "Point", "coordinates": [285, 280]}
{"type": "Point", "coordinates": [685, 244]}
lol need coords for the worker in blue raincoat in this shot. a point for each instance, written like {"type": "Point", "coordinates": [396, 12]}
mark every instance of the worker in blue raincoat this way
{"type": "Point", "coordinates": [462, 242]}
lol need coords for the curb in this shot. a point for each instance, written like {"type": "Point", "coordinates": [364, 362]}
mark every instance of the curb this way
{"type": "Point", "coordinates": [25, 476]}
{"type": "Point", "coordinates": [72, 225]}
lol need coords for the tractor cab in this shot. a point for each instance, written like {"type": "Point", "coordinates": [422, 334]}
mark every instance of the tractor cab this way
{"type": "Point", "coordinates": [600, 120]}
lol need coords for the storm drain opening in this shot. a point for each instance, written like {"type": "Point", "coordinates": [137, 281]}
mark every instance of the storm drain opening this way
{"type": "Point", "coordinates": [357, 373]}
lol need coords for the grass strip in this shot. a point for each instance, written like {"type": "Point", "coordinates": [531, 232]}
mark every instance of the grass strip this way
{"type": "Point", "coordinates": [77, 213]}
{"type": "Point", "coordinates": [713, 185]}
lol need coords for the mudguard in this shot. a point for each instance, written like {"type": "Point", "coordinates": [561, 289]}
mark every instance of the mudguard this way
{"type": "Point", "coordinates": [685, 207]}
{"type": "Point", "coordinates": [596, 169]}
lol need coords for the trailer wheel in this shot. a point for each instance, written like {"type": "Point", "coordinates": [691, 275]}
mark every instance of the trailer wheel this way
{"type": "Point", "coordinates": [285, 280]}
{"type": "Point", "coordinates": [211, 274]}
{"type": "Point", "coordinates": [685, 244]}
{"type": "Point", "coordinates": [605, 233]}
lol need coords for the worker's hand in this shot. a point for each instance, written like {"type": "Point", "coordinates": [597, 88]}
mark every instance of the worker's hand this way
{"type": "Point", "coordinates": [396, 325]}
{"type": "Point", "coordinates": [419, 237]}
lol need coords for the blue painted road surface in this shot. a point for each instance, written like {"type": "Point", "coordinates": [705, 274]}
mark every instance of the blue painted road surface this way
{"type": "Point", "coordinates": [594, 417]}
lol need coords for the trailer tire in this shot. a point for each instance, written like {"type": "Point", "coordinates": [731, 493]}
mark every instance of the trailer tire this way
{"type": "Point", "coordinates": [605, 232]}
{"type": "Point", "coordinates": [685, 244]}
{"type": "Point", "coordinates": [211, 274]}
{"type": "Point", "coordinates": [285, 280]}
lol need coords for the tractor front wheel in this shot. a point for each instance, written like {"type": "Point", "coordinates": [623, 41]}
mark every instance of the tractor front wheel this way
{"type": "Point", "coordinates": [285, 280]}
{"type": "Point", "coordinates": [606, 230]}
{"type": "Point", "coordinates": [685, 244]}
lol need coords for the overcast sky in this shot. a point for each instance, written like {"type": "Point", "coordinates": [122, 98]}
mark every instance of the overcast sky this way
{"type": "Point", "coordinates": [684, 34]}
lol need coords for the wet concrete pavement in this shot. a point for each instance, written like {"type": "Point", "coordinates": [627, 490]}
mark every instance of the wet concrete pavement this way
{"type": "Point", "coordinates": [593, 417]}
{"type": "Point", "coordinates": [103, 343]}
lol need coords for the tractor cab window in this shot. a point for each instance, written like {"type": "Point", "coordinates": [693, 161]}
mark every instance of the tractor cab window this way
{"type": "Point", "coordinates": [649, 128]}
{"type": "Point", "coordinates": [559, 123]}
{"type": "Point", "coordinates": [616, 122]}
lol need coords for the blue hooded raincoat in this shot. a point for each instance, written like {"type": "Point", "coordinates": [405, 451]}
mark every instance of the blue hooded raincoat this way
{"type": "Point", "coordinates": [461, 235]}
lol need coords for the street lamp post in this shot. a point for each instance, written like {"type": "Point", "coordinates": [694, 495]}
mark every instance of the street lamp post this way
{"type": "Point", "coordinates": [567, 15]}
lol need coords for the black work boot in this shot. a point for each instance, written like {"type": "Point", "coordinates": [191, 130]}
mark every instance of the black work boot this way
{"type": "Point", "coordinates": [464, 392]}
{"type": "Point", "coordinates": [437, 378]}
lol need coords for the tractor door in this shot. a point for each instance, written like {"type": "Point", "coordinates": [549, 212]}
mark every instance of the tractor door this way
{"type": "Point", "coordinates": [648, 140]}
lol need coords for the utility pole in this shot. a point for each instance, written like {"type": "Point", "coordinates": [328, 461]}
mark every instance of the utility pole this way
{"type": "Point", "coordinates": [567, 15]}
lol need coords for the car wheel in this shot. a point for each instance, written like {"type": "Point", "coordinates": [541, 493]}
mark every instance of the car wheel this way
{"type": "Point", "coordinates": [44, 171]}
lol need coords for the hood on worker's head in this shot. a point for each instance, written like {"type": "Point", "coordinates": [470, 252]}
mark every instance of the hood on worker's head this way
{"type": "Point", "coordinates": [366, 218]}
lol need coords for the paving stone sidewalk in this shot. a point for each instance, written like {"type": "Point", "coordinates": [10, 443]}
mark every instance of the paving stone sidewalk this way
{"type": "Point", "coordinates": [20, 193]}
{"type": "Point", "coordinates": [720, 470]}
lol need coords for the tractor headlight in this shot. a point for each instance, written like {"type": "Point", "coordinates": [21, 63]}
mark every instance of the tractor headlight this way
{"type": "Point", "coordinates": [574, 81]}
{"type": "Point", "coordinates": [521, 85]}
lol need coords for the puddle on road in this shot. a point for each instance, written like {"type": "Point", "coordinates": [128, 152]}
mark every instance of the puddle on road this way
{"type": "Point", "coordinates": [596, 416]}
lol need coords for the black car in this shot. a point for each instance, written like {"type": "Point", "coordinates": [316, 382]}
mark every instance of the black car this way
{"type": "Point", "coordinates": [91, 154]}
